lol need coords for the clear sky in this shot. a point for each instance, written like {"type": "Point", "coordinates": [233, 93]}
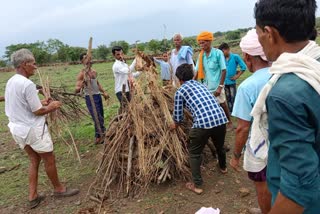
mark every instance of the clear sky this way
{"type": "Point", "coordinates": [74, 21]}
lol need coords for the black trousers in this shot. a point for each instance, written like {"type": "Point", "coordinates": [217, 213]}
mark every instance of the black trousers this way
{"type": "Point", "coordinates": [198, 140]}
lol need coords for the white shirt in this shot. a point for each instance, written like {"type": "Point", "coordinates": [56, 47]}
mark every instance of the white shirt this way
{"type": "Point", "coordinates": [176, 62]}
{"type": "Point", "coordinates": [121, 72]}
{"type": "Point", "coordinates": [21, 100]}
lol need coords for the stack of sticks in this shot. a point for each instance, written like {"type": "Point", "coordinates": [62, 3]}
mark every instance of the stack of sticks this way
{"type": "Point", "coordinates": [140, 149]}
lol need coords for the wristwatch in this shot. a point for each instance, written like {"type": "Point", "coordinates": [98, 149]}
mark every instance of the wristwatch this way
{"type": "Point", "coordinates": [237, 156]}
{"type": "Point", "coordinates": [221, 86]}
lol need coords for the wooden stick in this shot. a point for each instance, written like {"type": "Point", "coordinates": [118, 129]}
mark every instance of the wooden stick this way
{"type": "Point", "coordinates": [129, 163]}
{"type": "Point", "coordinates": [88, 81]}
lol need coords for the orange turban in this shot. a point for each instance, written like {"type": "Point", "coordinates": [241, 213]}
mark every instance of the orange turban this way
{"type": "Point", "coordinates": [207, 36]}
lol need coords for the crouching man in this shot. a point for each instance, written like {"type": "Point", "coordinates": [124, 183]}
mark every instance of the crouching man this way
{"type": "Point", "coordinates": [27, 125]}
{"type": "Point", "coordinates": [209, 121]}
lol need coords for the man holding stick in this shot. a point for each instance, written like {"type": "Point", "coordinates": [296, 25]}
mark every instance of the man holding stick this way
{"type": "Point", "coordinates": [95, 88]}
{"type": "Point", "coordinates": [27, 125]}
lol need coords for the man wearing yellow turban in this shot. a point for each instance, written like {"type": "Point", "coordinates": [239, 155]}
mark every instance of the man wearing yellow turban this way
{"type": "Point", "coordinates": [211, 70]}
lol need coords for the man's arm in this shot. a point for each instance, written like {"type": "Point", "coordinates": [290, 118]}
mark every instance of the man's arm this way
{"type": "Point", "coordinates": [178, 110]}
{"type": "Point", "coordinates": [285, 205]}
{"type": "Point", "coordinates": [242, 66]}
{"type": "Point", "coordinates": [241, 110]}
{"type": "Point", "coordinates": [222, 65]}
{"type": "Point", "coordinates": [298, 159]}
{"type": "Point", "coordinates": [54, 105]}
{"type": "Point", "coordinates": [104, 93]}
{"type": "Point", "coordinates": [79, 83]}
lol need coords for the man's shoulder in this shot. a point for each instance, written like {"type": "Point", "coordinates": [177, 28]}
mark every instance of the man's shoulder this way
{"type": "Point", "coordinates": [19, 80]}
{"type": "Point", "coordinates": [291, 88]}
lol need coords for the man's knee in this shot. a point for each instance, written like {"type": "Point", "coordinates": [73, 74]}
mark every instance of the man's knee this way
{"type": "Point", "coordinates": [48, 157]}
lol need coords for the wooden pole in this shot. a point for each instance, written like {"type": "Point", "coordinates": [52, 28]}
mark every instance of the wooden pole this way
{"type": "Point", "coordinates": [88, 81]}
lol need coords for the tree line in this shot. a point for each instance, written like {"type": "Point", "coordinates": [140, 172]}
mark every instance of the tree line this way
{"type": "Point", "coordinates": [55, 51]}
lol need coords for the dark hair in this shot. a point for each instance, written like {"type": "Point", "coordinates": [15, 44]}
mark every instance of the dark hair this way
{"type": "Point", "coordinates": [116, 48]}
{"type": "Point", "coordinates": [184, 72]}
{"type": "Point", "coordinates": [82, 56]}
{"type": "Point", "coordinates": [224, 46]}
{"type": "Point", "coordinates": [294, 19]}
{"type": "Point", "coordinates": [313, 34]}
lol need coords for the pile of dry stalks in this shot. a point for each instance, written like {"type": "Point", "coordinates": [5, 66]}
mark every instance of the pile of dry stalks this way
{"type": "Point", "coordinates": [71, 110]}
{"type": "Point", "coordinates": [140, 149]}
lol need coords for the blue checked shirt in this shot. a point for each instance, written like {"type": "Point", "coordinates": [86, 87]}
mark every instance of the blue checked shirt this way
{"type": "Point", "coordinates": [205, 109]}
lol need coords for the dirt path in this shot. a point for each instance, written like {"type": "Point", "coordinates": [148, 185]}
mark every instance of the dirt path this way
{"type": "Point", "coordinates": [220, 191]}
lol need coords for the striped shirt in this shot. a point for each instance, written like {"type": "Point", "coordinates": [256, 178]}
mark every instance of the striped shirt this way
{"type": "Point", "coordinates": [205, 109]}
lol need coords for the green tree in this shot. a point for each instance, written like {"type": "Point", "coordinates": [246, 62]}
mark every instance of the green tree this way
{"type": "Point", "coordinates": [154, 45]}
{"type": "Point", "coordinates": [233, 35]}
{"type": "Point", "coordinates": [218, 34]}
{"type": "Point", "coordinates": [3, 63]}
{"type": "Point", "coordinates": [38, 49]}
{"type": "Point", "coordinates": [190, 41]}
{"type": "Point", "coordinates": [75, 52]}
{"type": "Point", "coordinates": [53, 45]}
{"type": "Point", "coordinates": [102, 51]}
{"type": "Point", "coordinates": [165, 45]}
{"type": "Point", "coordinates": [123, 44]}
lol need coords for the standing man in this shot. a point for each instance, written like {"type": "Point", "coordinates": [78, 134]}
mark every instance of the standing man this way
{"type": "Point", "coordinates": [165, 68]}
{"type": "Point", "coordinates": [27, 125]}
{"type": "Point", "coordinates": [180, 55]}
{"type": "Point", "coordinates": [208, 122]}
{"type": "Point", "coordinates": [95, 90]}
{"type": "Point", "coordinates": [211, 70]}
{"type": "Point", "coordinates": [233, 61]}
{"type": "Point", "coordinates": [289, 104]}
{"type": "Point", "coordinates": [122, 74]}
{"type": "Point", "coordinates": [247, 95]}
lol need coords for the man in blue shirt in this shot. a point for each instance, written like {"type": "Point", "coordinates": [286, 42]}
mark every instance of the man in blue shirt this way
{"type": "Point", "coordinates": [211, 70]}
{"type": "Point", "coordinates": [247, 95]}
{"type": "Point", "coordinates": [165, 68]}
{"type": "Point", "coordinates": [233, 61]}
{"type": "Point", "coordinates": [209, 121]}
{"type": "Point", "coordinates": [292, 103]}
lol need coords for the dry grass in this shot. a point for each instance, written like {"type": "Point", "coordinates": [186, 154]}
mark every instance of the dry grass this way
{"type": "Point", "coordinates": [140, 149]}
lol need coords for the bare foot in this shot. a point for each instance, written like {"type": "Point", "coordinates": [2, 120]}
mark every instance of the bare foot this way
{"type": "Point", "coordinates": [190, 186]}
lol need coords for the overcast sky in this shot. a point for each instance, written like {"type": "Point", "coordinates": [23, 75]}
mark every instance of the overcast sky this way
{"type": "Point", "coordinates": [74, 21]}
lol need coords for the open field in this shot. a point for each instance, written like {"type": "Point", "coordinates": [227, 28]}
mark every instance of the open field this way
{"type": "Point", "coordinates": [221, 191]}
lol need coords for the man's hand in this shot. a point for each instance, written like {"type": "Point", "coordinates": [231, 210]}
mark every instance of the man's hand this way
{"type": "Point", "coordinates": [218, 92]}
{"type": "Point", "coordinates": [55, 105]}
{"type": "Point", "coordinates": [173, 126]}
{"type": "Point", "coordinates": [105, 95]}
{"type": "Point", "coordinates": [235, 164]}
{"type": "Point", "coordinates": [46, 101]}
{"type": "Point", "coordinates": [235, 77]}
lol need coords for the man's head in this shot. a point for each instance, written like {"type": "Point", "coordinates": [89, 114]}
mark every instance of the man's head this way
{"type": "Point", "coordinates": [23, 60]}
{"type": "Point", "coordinates": [83, 58]}
{"type": "Point", "coordinates": [283, 23]}
{"type": "Point", "coordinates": [177, 40]}
{"type": "Point", "coordinates": [252, 50]}
{"type": "Point", "coordinates": [165, 57]}
{"type": "Point", "coordinates": [224, 47]}
{"type": "Point", "coordinates": [117, 52]}
{"type": "Point", "coordinates": [184, 73]}
{"type": "Point", "coordinates": [205, 39]}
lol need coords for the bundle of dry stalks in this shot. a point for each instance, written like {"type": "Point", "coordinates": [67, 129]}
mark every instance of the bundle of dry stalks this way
{"type": "Point", "coordinates": [140, 149]}
{"type": "Point", "coordinates": [70, 110]}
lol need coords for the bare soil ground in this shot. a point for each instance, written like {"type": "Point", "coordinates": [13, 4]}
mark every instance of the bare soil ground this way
{"type": "Point", "coordinates": [220, 191]}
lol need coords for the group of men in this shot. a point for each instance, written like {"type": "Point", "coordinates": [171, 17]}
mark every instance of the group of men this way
{"type": "Point", "coordinates": [277, 110]}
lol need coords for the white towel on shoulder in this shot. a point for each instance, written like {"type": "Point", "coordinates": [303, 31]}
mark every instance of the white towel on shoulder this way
{"type": "Point", "coordinates": [305, 65]}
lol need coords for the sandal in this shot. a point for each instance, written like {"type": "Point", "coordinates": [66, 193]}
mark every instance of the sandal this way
{"type": "Point", "coordinates": [67, 193]}
{"type": "Point", "coordinates": [35, 202]}
{"type": "Point", "coordinates": [190, 186]}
